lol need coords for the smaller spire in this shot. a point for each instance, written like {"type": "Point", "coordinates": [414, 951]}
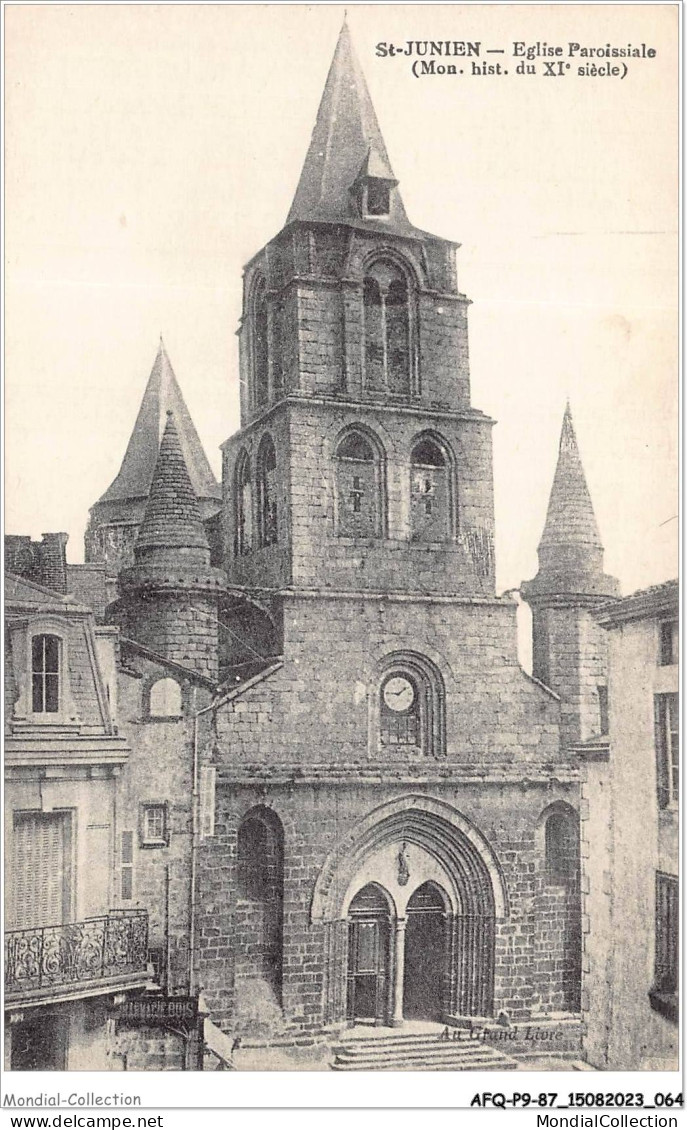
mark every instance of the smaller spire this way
{"type": "Point", "coordinates": [172, 519]}
{"type": "Point", "coordinates": [136, 472]}
{"type": "Point", "coordinates": [570, 518]}
{"type": "Point", "coordinates": [571, 556]}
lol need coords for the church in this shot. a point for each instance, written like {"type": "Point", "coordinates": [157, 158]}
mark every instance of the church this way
{"type": "Point", "coordinates": [382, 820]}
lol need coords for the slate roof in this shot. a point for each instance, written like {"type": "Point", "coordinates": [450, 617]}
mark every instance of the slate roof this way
{"type": "Point", "coordinates": [346, 144]}
{"type": "Point", "coordinates": [162, 394]}
{"type": "Point", "coordinates": [570, 518]}
{"type": "Point", "coordinates": [172, 516]}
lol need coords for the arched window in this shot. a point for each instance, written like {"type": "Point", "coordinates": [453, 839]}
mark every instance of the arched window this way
{"type": "Point", "coordinates": [430, 497]}
{"type": "Point", "coordinates": [259, 933]}
{"type": "Point", "coordinates": [243, 501]}
{"type": "Point", "coordinates": [261, 344]}
{"type": "Point", "coordinates": [561, 847]}
{"type": "Point", "coordinates": [267, 492]}
{"type": "Point", "coordinates": [358, 487]}
{"type": "Point", "coordinates": [45, 674]}
{"type": "Point", "coordinates": [165, 699]}
{"type": "Point", "coordinates": [410, 708]}
{"type": "Point", "coordinates": [252, 859]}
{"type": "Point", "coordinates": [386, 309]}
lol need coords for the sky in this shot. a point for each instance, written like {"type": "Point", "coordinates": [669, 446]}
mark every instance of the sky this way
{"type": "Point", "coordinates": [152, 150]}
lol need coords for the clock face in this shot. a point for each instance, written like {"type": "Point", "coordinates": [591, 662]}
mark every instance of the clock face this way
{"type": "Point", "coordinates": [399, 693]}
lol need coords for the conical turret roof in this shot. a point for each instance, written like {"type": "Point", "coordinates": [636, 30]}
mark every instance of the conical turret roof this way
{"type": "Point", "coordinates": [346, 143]}
{"type": "Point", "coordinates": [135, 476]}
{"type": "Point", "coordinates": [172, 519]}
{"type": "Point", "coordinates": [570, 551]}
{"type": "Point", "coordinates": [570, 518]}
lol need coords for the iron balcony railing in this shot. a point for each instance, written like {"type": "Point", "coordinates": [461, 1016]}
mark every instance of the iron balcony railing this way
{"type": "Point", "coordinates": [73, 953]}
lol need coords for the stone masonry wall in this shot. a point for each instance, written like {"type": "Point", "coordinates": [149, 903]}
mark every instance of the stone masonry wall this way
{"type": "Point", "coordinates": [318, 707]}
{"type": "Point", "coordinates": [180, 625]}
{"type": "Point", "coordinates": [159, 771]}
{"type": "Point", "coordinates": [311, 553]}
{"type": "Point", "coordinates": [570, 653]}
{"type": "Point", "coordinates": [315, 297]}
{"type": "Point", "coordinates": [530, 974]}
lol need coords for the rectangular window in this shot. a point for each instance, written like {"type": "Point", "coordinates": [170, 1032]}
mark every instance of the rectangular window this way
{"type": "Point", "coordinates": [666, 711]}
{"type": "Point", "coordinates": [378, 198]}
{"type": "Point", "coordinates": [127, 860]}
{"type": "Point", "coordinates": [41, 869]}
{"type": "Point", "coordinates": [670, 643]}
{"type": "Point", "coordinates": [663, 995]}
{"type": "Point", "coordinates": [153, 825]}
{"type": "Point", "coordinates": [45, 670]}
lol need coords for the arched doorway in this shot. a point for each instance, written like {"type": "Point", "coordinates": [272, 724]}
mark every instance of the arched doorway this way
{"type": "Point", "coordinates": [426, 956]}
{"type": "Point", "coordinates": [452, 853]}
{"type": "Point", "coordinates": [369, 934]}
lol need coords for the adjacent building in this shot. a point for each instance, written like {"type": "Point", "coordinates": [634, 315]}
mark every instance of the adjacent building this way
{"type": "Point", "coordinates": [630, 842]}
{"type": "Point", "coordinates": [72, 946]}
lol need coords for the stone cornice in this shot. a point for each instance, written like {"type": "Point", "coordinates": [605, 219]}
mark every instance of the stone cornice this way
{"type": "Point", "coordinates": [376, 775]}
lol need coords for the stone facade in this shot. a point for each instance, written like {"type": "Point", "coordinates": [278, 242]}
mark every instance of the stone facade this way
{"type": "Point", "coordinates": [358, 506]}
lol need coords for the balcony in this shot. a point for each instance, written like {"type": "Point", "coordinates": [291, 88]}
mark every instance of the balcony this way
{"type": "Point", "coordinates": [77, 959]}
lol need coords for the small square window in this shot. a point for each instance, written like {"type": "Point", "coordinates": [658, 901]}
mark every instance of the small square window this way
{"type": "Point", "coordinates": [154, 825]}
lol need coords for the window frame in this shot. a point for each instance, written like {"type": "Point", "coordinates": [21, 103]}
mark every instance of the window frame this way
{"type": "Point", "coordinates": [378, 464]}
{"type": "Point", "coordinates": [150, 716]}
{"type": "Point", "coordinates": [667, 741]}
{"type": "Point", "coordinates": [244, 531]}
{"type": "Point", "coordinates": [252, 874]}
{"type": "Point", "coordinates": [267, 529]}
{"type": "Point", "coordinates": [376, 184]}
{"type": "Point", "coordinates": [557, 875]}
{"type": "Point", "coordinates": [447, 468]}
{"type": "Point", "coordinates": [664, 992]}
{"type": "Point", "coordinates": [668, 642]}
{"type": "Point", "coordinates": [401, 272]}
{"type": "Point", "coordinates": [44, 674]}
{"type": "Point", "coordinates": [145, 840]}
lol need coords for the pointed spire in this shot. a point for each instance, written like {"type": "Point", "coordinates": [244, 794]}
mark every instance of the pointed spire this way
{"type": "Point", "coordinates": [172, 519]}
{"type": "Point", "coordinates": [570, 518]}
{"type": "Point", "coordinates": [346, 139]}
{"type": "Point", "coordinates": [570, 551]}
{"type": "Point", "coordinates": [136, 472]}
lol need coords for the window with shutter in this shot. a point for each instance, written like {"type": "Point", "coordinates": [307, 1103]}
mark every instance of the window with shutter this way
{"type": "Point", "coordinates": [41, 869]}
{"type": "Point", "coordinates": [664, 992]}
{"type": "Point", "coordinates": [666, 713]}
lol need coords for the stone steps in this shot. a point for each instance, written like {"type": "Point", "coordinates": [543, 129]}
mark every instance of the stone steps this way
{"type": "Point", "coordinates": [418, 1053]}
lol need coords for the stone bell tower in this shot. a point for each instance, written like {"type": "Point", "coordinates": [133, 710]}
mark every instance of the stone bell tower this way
{"type": "Point", "coordinates": [568, 646]}
{"type": "Point", "coordinates": [360, 464]}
